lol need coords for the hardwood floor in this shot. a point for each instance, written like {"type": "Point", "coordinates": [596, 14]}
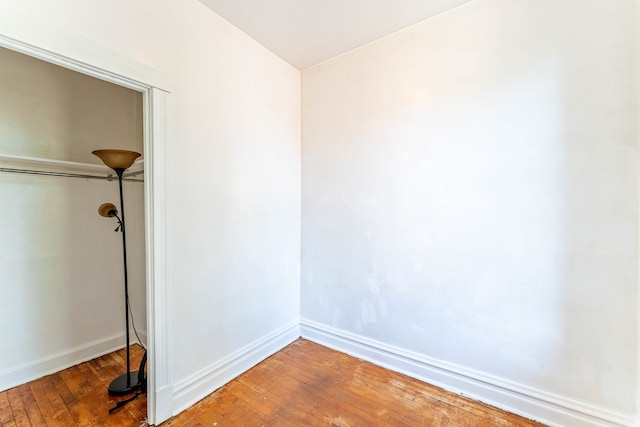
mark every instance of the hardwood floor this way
{"type": "Point", "coordinates": [74, 397]}
{"type": "Point", "coordinates": [305, 384]}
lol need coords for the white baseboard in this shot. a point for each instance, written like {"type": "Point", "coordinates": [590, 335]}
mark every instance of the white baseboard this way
{"type": "Point", "coordinates": [204, 382]}
{"type": "Point", "coordinates": [29, 371]}
{"type": "Point", "coordinates": [517, 398]}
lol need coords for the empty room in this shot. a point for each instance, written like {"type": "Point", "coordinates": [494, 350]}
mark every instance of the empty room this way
{"type": "Point", "coordinates": [347, 213]}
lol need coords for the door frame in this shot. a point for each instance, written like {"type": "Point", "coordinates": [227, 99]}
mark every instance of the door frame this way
{"type": "Point", "coordinates": [57, 46]}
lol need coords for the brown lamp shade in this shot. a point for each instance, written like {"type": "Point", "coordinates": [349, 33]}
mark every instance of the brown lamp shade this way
{"type": "Point", "coordinates": [106, 208]}
{"type": "Point", "coordinates": [117, 159]}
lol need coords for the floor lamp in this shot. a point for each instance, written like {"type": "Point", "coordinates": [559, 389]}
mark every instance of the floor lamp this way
{"type": "Point", "coordinates": [119, 161]}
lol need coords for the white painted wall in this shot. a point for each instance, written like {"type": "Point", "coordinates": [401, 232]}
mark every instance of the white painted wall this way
{"type": "Point", "coordinates": [470, 198]}
{"type": "Point", "coordinates": [54, 113]}
{"type": "Point", "coordinates": [61, 274]}
{"type": "Point", "coordinates": [233, 176]}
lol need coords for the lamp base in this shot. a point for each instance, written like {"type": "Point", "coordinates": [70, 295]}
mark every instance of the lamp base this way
{"type": "Point", "coordinates": [118, 387]}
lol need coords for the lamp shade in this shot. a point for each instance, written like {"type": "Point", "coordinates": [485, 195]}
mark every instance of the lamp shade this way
{"type": "Point", "coordinates": [107, 209]}
{"type": "Point", "coordinates": [117, 159]}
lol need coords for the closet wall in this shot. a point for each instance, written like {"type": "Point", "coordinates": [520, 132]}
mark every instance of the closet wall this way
{"type": "Point", "coordinates": [61, 273]}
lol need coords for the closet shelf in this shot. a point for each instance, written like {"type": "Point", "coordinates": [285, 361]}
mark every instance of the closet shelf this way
{"type": "Point", "coordinates": [22, 162]}
{"type": "Point", "coordinates": [51, 166]}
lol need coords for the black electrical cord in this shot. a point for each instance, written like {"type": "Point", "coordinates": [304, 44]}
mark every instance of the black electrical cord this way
{"type": "Point", "coordinates": [124, 402]}
{"type": "Point", "coordinates": [135, 331]}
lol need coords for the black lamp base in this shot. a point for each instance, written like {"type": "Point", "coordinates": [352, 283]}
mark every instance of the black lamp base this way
{"type": "Point", "coordinates": [118, 387]}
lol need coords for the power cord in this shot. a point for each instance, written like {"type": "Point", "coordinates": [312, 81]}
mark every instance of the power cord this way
{"type": "Point", "coordinates": [124, 402]}
{"type": "Point", "coordinates": [133, 323]}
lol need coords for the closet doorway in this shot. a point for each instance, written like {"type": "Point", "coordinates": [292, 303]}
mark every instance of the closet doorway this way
{"type": "Point", "coordinates": [61, 262]}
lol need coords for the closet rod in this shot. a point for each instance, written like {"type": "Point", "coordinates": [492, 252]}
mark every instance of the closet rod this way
{"type": "Point", "coordinates": [67, 174]}
{"type": "Point", "coordinates": [136, 173]}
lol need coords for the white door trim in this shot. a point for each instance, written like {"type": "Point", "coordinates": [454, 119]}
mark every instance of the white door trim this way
{"type": "Point", "coordinates": [55, 45]}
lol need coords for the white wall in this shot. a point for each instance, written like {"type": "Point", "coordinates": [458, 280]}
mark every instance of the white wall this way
{"type": "Point", "coordinates": [61, 271]}
{"type": "Point", "coordinates": [233, 175]}
{"type": "Point", "coordinates": [470, 201]}
{"type": "Point", "coordinates": [54, 113]}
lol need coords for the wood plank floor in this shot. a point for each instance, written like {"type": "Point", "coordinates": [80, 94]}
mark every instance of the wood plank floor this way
{"type": "Point", "coordinates": [310, 385]}
{"type": "Point", "coordinates": [74, 397]}
{"type": "Point", "coordinates": [305, 384]}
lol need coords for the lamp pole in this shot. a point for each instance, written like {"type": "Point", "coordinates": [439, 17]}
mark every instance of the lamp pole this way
{"type": "Point", "coordinates": [120, 171]}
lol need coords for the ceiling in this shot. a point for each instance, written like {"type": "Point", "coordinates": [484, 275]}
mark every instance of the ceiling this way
{"type": "Point", "coordinates": [305, 32]}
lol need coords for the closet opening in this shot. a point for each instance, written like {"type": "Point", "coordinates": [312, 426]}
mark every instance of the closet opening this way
{"type": "Point", "coordinates": [61, 262]}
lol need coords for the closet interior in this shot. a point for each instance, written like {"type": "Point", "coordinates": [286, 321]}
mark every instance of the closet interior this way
{"type": "Point", "coordinates": [61, 263]}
